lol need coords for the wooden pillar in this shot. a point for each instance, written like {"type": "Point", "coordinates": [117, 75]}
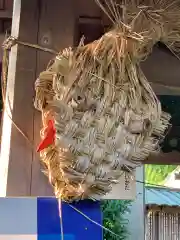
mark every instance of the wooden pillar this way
{"type": "Point", "coordinates": [16, 150]}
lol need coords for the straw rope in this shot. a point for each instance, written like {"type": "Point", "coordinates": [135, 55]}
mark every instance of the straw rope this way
{"type": "Point", "coordinates": [107, 117]}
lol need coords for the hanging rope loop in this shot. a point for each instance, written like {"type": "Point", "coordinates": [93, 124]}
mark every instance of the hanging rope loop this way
{"type": "Point", "coordinates": [9, 43]}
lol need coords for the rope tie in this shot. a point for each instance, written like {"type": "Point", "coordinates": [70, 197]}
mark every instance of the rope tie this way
{"type": "Point", "coordinates": [9, 43]}
{"type": "Point", "coordinates": [12, 41]}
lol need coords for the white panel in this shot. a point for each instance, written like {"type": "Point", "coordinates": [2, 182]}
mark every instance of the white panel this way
{"type": "Point", "coordinates": [18, 216]}
{"type": "Point", "coordinates": [18, 237]}
{"type": "Point", "coordinates": [160, 89]}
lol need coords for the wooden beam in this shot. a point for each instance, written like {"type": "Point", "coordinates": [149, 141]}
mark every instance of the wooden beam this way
{"type": "Point", "coordinates": [16, 150]}
{"type": "Point", "coordinates": [161, 68]}
{"type": "Point", "coordinates": [5, 14]}
{"type": "Point", "coordinates": [172, 158]}
{"type": "Point", "coordinates": [90, 20]}
{"type": "Point", "coordinates": [162, 89]}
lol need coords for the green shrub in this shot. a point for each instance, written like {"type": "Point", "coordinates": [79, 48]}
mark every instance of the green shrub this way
{"type": "Point", "coordinates": [114, 218]}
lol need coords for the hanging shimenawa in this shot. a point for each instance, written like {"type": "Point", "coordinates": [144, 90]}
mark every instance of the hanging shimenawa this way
{"type": "Point", "coordinates": [100, 115]}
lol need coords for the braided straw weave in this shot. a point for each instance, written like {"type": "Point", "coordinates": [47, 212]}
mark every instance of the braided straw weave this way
{"type": "Point", "coordinates": [107, 117]}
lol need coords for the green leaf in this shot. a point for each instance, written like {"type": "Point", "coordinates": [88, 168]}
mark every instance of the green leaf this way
{"type": "Point", "coordinates": [114, 218]}
{"type": "Point", "coordinates": [156, 174]}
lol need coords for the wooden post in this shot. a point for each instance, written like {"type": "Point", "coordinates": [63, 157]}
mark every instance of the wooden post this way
{"type": "Point", "coordinates": [16, 150]}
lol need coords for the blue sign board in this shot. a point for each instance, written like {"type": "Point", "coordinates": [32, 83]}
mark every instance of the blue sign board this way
{"type": "Point", "coordinates": [75, 225]}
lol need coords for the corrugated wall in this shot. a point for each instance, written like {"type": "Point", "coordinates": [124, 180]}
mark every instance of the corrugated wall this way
{"type": "Point", "coordinates": [163, 225]}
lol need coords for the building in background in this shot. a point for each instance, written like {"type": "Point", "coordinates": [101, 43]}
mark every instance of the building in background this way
{"type": "Point", "coordinates": [173, 179]}
{"type": "Point", "coordinates": [162, 214]}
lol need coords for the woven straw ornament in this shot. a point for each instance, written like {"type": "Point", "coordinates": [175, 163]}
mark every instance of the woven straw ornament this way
{"type": "Point", "coordinates": [98, 109]}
